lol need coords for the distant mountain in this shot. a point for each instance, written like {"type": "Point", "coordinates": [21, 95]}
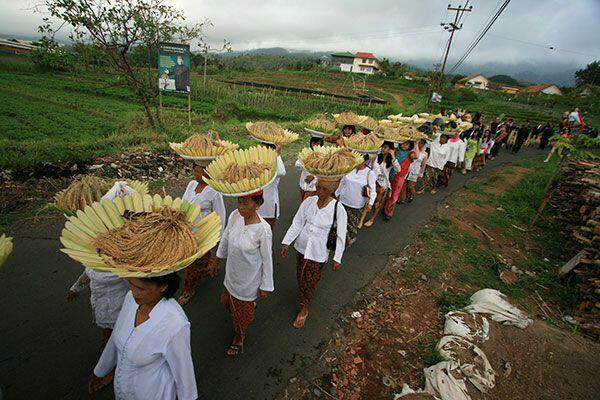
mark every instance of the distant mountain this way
{"type": "Point", "coordinates": [277, 51]}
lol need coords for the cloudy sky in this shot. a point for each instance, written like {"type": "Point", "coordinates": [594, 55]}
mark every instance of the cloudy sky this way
{"type": "Point", "coordinates": [397, 29]}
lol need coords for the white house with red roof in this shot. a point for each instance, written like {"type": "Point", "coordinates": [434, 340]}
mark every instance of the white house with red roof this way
{"type": "Point", "coordinates": [365, 63]}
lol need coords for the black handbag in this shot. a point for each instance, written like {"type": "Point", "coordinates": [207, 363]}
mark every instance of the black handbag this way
{"type": "Point", "coordinates": [332, 237]}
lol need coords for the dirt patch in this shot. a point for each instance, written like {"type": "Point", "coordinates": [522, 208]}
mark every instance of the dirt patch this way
{"type": "Point", "coordinates": [540, 362]}
{"type": "Point", "coordinates": [501, 182]}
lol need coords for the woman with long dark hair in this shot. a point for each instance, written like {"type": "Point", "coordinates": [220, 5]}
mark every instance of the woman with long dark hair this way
{"type": "Point", "coordinates": [382, 166]}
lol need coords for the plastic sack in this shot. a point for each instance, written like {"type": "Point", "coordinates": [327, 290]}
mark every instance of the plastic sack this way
{"type": "Point", "coordinates": [472, 361]}
{"type": "Point", "coordinates": [119, 189]}
{"type": "Point", "coordinates": [440, 381]}
{"type": "Point", "coordinates": [473, 327]}
{"type": "Point", "coordinates": [494, 303]}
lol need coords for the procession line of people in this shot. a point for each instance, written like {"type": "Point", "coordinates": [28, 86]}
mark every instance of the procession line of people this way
{"type": "Point", "coordinates": [145, 332]}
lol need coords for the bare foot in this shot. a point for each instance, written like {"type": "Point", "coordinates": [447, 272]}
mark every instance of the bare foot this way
{"type": "Point", "coordinates": [369, 223]}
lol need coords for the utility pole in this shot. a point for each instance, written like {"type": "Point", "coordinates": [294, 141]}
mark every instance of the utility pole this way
{"type": "Point", "coordinates": [452, 27]}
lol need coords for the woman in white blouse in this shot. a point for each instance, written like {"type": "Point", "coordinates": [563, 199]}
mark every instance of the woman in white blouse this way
{"type": "Point", "coordinates": [150, 345]}
{"type": "Point", "coordinates": [209, 200]}
{"type": "Point", "coordinates": [270, 208]}
{"type": "Point", "coordinates": [107, 290]}
{"type": "Point", "coordinates": [382, 165]}
{"type": "Point", "coordinates": [310, 230]}
{"type": "Point", "coordinates": [246, 244]}
{"type": "Point", "coordinates": [308, 182]}
{"type": "Point", "coordinates": [357, 192]}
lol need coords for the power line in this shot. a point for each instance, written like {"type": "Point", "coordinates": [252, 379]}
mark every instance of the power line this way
{"type": "Point", "coordinates": [452, 27]}
{"type": "Point", "coordinates": [545, 46]}
{"type": "Point", "coordinates": [481, 36]}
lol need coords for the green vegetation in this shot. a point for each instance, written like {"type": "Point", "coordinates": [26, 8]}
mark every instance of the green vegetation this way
{"type": "Point", "coordinates": [76, 116]}
{"type": "Point", "coordinates": [472, 262]}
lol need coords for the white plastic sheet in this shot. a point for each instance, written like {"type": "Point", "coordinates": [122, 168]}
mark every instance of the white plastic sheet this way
{"type": "Point", "coordinates": [472, 362]}
{"type": "Point", "coordinates": [473, 327]}
{"type": "Point", "coordinates": [119, 189]}
{"type": "Point", "coordinates": [494, 303]}
{"type": "Point", "coordinates": [441, 381]}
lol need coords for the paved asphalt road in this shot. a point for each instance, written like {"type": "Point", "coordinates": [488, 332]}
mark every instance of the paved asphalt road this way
{"type": "Point", "coordinates": [49, 347]}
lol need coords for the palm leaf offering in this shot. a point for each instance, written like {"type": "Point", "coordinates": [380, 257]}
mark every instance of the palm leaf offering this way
{"type": "Point", "coordinates": [329, 162]}
{"type": "Point", "coordinates": [242, 172]}
{"type": "Point", "coordinates": [364, 143]}
{"type": "Point", "coordinates": [321, 124]}
{"type": "Point", "coordinates": [270, 132]}
{"type": "Point", "coordinates": [395, 134]}
{"type": "Point", "coordinates": [368, 122]}
{"type": "Point", "coordinates": [6, 247]}
{"type": "Point", "coordinates": [202, 147]}
{"type": "Point", "coordinates": [87, 189]}
{"type": "Point", "coordinates": [139, 235]}
{"type": "Point", "coordinates": [348, 118]}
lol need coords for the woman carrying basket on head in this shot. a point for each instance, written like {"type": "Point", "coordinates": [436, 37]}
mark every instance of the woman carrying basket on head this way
{"type": "Point", "coordinates": [318, 227]}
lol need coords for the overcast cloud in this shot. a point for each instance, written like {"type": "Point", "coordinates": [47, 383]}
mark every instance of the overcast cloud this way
{"type": "Point", "coordinates": [397, 29]}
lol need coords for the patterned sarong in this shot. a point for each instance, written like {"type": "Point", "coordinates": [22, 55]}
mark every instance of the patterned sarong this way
{"type": "Point", "coordinates": [308, 274]}
{"type": "Point", "coordinates": [242, 312]}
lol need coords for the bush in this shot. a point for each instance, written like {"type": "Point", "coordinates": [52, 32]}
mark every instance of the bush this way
{"type": "Point", "coordinates": [50, 56]}
{"type": "Point", "coordinates": [466, 94]}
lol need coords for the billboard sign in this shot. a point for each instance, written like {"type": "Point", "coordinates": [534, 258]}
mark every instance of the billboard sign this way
{"type": "Point", "coordinates": [174, 67]}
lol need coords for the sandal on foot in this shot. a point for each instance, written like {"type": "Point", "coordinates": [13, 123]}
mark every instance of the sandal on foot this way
{"type": "Point", "coordinates": [369, 223]}
{"type": "Point", "coordinates": [235, 349]}
{"type": "Point", "coordinates": [299, 321]}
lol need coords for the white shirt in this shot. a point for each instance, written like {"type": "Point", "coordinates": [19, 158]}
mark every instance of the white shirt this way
{"type": "Point", "coordinates": [438, 154]}
{"type": "Point", "coordinates": [107, 292]}
{"type": "Point", "coordinates": [307, 187]}
{"type": "Point", "coordinates": [350, 191]}
{"type": "Point", "coordinates": [456, 151]}
{"type": "Point", "coordinates": [247, 249]}
{"type": "Point", "coordinates": [574, 117]}
{"type": "Point", "coordinates": [270, 208]}
{"type": "Point", "coordinates": [208, 199]}
{"type": "Point", "coordinates": [154, 359]}
{"type": "Point", "coordinates": [310, 229]}
{"type": "Point", "coordinates": [415, 165]}
{"type": "Point", "coordinates": [382, 171]}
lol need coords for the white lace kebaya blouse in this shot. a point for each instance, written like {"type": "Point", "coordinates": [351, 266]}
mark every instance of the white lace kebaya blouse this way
{"type": "Point", "coordinates": [249, 265]}
{"type": "Point", "coordinates": [270, 208]}
{"type": "Point", "coordinates": [208, 199]}
{"type": "Point", "coordinates": [350, 191]}
{"type": "Point", "coordinates": [107, 292]}
{"type": "Point", "coordinates": [310, 229]}
{"type": "Point", "coordinates": [153, 360]}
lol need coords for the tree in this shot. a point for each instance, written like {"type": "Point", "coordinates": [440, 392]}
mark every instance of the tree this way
{"type": "Point", "coordinates": [589, 75]}
{"type": "Point", "coordinates": [117, 28]}
{"type": "Point", "coordinates": [507, 79]}
{"type": "Point", "coordinates": [456, 78]}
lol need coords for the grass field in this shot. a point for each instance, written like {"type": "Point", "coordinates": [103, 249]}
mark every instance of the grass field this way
{"type": "Point", "coordinates": [60, 117]}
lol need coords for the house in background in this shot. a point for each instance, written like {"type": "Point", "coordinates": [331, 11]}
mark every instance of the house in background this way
{"type": "Point", "coordinates": [361, 62]}
{"type": "Point", "coordinates": [548, 88]}
{"type": "Point", "coordinates": [503, 87]}
{"type": "Point", "coordinates": [342, 61]}
{"type": "Point", "coordinates": [475, 81]}
{"type": "Point", "coordinates": [16, 46]}
{"type": "Point", "coordinates": [366, 63]}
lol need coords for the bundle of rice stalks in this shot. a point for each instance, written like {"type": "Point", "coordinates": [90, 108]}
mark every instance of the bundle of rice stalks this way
{"type": "Point", "coordinates": [202, 147]}
{"type": "Point", "coordinates": [270, 132]}
{"type": "Point", "coordinates": [329, 162]}
{"type": "Point", "coordinates": [242, 172]}
{"type": "Point", "coordinates": [320, 124]}
{"type": "Point", "coordinates": [463, 126]}
{"type": "Point", "coordinates": [368, 122]}
{"type": "Point", "coordinates": [348, 118]}
{"type": "Point", "coordinates": [87, 189]}
{"type": "Point", "coordinates": [158, 237]}
{"type": "Point", "coordinates": [364, 143]}
{"type": "Point", "coordinates": [6, 247]}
